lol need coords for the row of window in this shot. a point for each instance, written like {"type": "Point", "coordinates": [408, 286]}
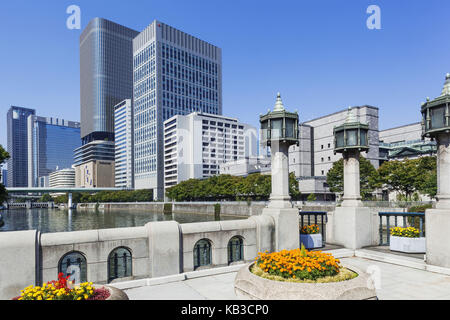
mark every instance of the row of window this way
{"type": "Point", "coordinates": [120, 263]}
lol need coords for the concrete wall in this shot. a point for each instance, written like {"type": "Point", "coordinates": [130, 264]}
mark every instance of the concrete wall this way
{"type": "Point", "coordinates": [158, 249]}
{"type": "Point", "coordinates": [227, 208]}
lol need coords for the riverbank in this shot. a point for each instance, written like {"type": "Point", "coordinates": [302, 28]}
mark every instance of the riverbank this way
{"type": "Point", "coordinates": [241, 209]}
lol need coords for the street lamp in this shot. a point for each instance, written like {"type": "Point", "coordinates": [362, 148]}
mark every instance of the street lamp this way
{"type": "Point", "coordinates": [350, 139]}
{"type": "Point", "coordinates": [279, 130]}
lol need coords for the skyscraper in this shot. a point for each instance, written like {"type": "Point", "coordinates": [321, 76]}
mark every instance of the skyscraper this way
{"type": "Point", "coordinates": [123, 131]}
{"type": "Point", "coordinates": [18, 145]}
{"type": "Point", "coordinates": [106, 76]}
{"type": "Point", "coordinates": [174, 73]}
{"type": "Point", "coordinates": [51, 142]}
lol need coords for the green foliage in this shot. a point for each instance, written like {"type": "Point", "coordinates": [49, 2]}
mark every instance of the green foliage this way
{"type": "Point", "coordinates": [368, 177]}
{"type": "Point", "coordinates": [108, 196]}
{"type": "Point", "coordinates": [3, 157]}
{"type": "Point", "coordinates": [409, 176]}
{"type": "Point", "coordinates": [217, 208]}
{"type": "Point", "coordinates": [45, 198]}
{"type": "Point", "coordinates": [420, 208]}
{"type": "Point", "coordinates": [226, 187]}
{"type": "Point", "coordinates": [311, 197]}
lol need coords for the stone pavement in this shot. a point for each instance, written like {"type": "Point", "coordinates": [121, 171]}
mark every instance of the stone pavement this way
{"type": "Point", "coordinates": [396, 282]}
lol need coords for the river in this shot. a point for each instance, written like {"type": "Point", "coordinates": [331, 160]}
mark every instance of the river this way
{"type": "Point", "coordinates": [54, 220]}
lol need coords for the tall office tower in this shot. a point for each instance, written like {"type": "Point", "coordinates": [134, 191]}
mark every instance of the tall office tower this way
{"type": "Point", "coordinates": [123, 131]}
{"type": "Point", "coordinates": [106, 76]}
{"type": "Point", "coordinates": [196, 145]}
{"type": "Point", "coordinates": [174, 73]}
{"type": "Point", "coordinates": [51, 142]}
{"type": "Point", "coordinates": [18, 146]}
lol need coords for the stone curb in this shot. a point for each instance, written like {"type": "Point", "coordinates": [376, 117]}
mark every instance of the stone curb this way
{"type": "Point", "coordinates": [125, 285]}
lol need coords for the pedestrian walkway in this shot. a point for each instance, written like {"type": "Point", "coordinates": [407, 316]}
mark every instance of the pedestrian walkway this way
{"type": "Point", "coordinates": [395, 282]}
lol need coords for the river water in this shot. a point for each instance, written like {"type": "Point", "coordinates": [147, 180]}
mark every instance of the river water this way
{"type": "Point", "coordinates": [54, 220]}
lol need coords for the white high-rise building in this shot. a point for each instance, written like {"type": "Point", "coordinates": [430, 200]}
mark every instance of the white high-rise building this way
{"type": "Point", "coordinates": [197, 144]}
{"type": "Point", "coordinates": [174, 74]}
{"type": "Point", "coordinates": [124, 150]}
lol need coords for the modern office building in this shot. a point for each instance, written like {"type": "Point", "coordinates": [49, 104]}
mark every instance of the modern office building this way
{"type": "Point", "coordinates": [106, 76]}
{"type": "Point", "coordinates": [95, 156]}
{"type": "Point", "coordinates": [51, 142]}
{"type": "Point", "coordinates": [405, 142]}
{"type": "Point", "coordinates": [244, 167]}
{"type": "Point", "coordinates": [17, 145]}
{"type": "Point", "coordinates": [124, 149]}
{"type": "Point", "coordinates": [312, 159]}
{"type": "Point", "coordinates": [95, 174]}
{"type": "Point", "coordinates": [197, 144]}
{"type": "Point", "coordinates": [174, 74]}
{"type": "Point", "coordinates": [64, 178]}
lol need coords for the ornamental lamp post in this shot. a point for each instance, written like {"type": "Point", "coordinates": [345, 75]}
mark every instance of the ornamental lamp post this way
{"type": "Point", "coordinates": [279, 130]}
{"type": "Point", "coordinates": [352, 223]}
{"type": "Point", "coordinates": [436, 126]}
{"type": "Point", "coordinates": [350, 139]}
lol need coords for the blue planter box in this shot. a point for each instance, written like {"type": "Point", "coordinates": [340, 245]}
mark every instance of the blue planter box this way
{"type": "Point", "coordinates": [311, 241]}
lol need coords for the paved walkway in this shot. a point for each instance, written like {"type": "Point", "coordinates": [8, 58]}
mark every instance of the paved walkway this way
{"type": "Point", "coordinates": [396, 282]}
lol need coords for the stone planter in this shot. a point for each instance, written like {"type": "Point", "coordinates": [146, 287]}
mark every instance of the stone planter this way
{"type": "Point", "coordinates": [250, 286]}
{"type": "Point", "coordinates": [408, 245]}
{"type": "Point", "coordinates": [115, 293]}
{"type": "Point", "coordinates": [311, 241]}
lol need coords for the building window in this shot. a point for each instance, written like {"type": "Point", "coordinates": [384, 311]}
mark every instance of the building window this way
{"type": "Point", "coordinates": [323, 172]}
{"type": "Point", "coordinates": [235, 249]}
{"type": "Point", "coordinates": [119, 264]}
{"type": "Point", "coordinates": [73, 264]}
{"type": "Point", "coordinates": [321, 159]}
{"type": "Point", "coordinates": [321, 146]}
{"type": "Point", "coordinates": [202, 253]}
{"type": "Point", "coordinates": [329, 158]}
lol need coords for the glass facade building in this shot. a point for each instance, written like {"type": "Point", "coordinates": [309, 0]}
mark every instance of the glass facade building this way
{"type": "Point", "coordinates": [17, 145]}
{"type": "Point", "coordinates": [174, 74]}
{"type": "Point", "coordinates": [123, 131]}
{"type": "Point", "coordinates": [106, 76]}
{"type": "Point", "coordinates": [51, 142]}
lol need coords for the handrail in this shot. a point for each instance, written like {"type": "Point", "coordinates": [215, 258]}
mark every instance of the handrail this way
{"type": "Point", "coordinates": [404, 215]}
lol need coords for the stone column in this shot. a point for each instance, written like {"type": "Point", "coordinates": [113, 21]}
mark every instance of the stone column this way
{"type": "Point", "coordinates": [443, 172]}
{"type": "Point", "coordinates": [69, 204]}
{"type": "Point", "coordinates": [280, 208]}
{"type": "Point", "coordinates": [280, 198]}
{"type": "Point", "coordinates": [352, 194]}
{"type": "Point", "coordinates": [437, 221]}
{"type": "Point", "coordinates": [352, 224]}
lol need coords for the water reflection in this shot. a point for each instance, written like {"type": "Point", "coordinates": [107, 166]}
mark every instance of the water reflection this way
{"type": "Point", "coordinates": [54, 220]}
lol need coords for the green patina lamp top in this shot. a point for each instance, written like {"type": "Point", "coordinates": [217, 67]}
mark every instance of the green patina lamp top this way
{"type": "Point", "coordinates": [435, 113]}
{"type": "Point", "coordinates": [279, 124]}
{"type": "Point", "coordinates": [352, 134]}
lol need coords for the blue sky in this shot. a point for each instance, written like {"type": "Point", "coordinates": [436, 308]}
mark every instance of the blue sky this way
{"type": "Point", "coordinates": [319, 54]}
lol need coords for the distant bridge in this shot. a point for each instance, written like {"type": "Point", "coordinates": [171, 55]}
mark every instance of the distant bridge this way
{"type": "Point", "coordinates": [70, 191]}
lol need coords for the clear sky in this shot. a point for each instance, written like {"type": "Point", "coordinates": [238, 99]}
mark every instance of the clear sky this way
{"type": "Point", "coordinates": [319, 54]}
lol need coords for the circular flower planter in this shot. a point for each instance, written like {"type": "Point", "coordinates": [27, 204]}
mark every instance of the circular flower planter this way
{"type": "Point", "coordinates": [114, 293]}
{"type": "Point", "coordinates": [250, 286]}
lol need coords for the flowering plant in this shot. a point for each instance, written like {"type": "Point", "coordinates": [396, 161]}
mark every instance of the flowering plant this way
{"type": "Point", "coordinates": [409, 232]}
{"type": "Point", "coordinates": [310, 229]}
{"type": "Point", "coordinates": [62, 289]}
{"type": "Point", "coordinates": [298, 264]}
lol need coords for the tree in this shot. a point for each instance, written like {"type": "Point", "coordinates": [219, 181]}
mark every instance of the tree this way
{"type": "Point", "coordinates": [367, 175]}
{"type": "Point", "coordinates": [3, 157]}
{"type": "Point", "coordinates": [409, 176]}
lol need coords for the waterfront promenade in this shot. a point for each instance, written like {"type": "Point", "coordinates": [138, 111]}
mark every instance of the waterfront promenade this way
{"type": "Point", "coordinates": [400, 278]}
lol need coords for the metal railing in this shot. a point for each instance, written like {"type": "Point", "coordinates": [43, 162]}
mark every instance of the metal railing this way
{"type": "Point", "coordinates": [404, 216]}
{"type": "Point", "coordinates": [309, 217]}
